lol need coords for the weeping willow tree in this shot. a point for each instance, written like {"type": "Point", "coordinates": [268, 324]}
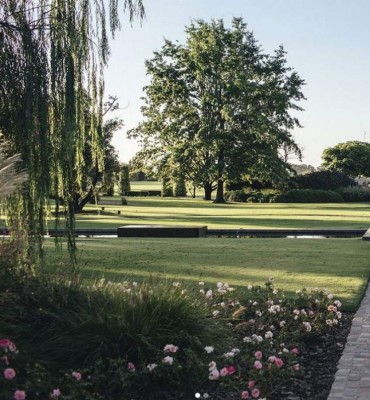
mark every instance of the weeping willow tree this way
{"type": "Point", "coordinates": [53, 54]}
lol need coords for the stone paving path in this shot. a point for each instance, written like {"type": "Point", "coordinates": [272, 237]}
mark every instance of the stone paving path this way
{"type": "Point", "coordinates": [352, 380]}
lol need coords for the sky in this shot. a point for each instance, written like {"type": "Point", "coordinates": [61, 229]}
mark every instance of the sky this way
{"type": "Point", "coordinates": [327, 44]}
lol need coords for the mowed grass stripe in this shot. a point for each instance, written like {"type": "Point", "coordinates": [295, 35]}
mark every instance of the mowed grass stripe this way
{"type": "Point", "coordinates": [190, 211]}
{"type": "Point", "coordinates": [339, 265]}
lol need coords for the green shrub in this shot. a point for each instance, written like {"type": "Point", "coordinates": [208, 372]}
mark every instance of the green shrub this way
{"type": "Point", "coordinates": [154, 192]}
{"type": "Point", "coordinates": [167, 187]}
{"type": "Point", "coordinates": [355, 193]}
{"type": "Point", "coordinates": [180, 186]}
{"type": "Point", "coordinates": [322, 180]}
{"type": "Point", "coordinates": [138, 193]}
{"type": "Point", "coordinates": [251, 196]}
{"type": "Point", "coordinates": [125, 185]}
{"type": "Point", "coordinates": [309, 196]}
{"type": "Point", "coordinates": [239, 196]}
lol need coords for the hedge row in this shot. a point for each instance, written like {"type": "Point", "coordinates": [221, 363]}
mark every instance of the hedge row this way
{"type": "Point", "coordinates": [143, 193]}
{"type": "Point", "coordinates": [295, 196]}
{"type": "Point", "coordinates": [309, 196]}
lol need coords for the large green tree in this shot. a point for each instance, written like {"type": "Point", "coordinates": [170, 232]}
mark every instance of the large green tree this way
{"type": "Point", "coordinates": [351, 158]}
{"type": "Point", "coordinates": [217, 107]}
{"type": "Point", "coordinates": [52, 54]}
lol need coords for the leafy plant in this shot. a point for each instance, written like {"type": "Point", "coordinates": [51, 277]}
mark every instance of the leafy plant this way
{"type": "Point", "coordinates": [322, 180]}
{"type": "Point", "coordinates": [355, 193]}
{"type": "Point", "coordinates": [309, 196]}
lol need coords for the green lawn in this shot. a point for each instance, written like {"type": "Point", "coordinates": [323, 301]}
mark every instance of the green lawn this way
{"type": "Point", "coordinates": [339, 265]}
{"type": "Point", "coordinates": [188, 211]}
{"type": "Point", "coordinates": [146, 185]}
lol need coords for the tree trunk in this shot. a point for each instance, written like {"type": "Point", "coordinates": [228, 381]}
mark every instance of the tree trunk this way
{"type": "Point", "coordinates": [220, 181]}
{"type": "Point", "coordinates": [220, 192]}
{"type": "Point", "coordinates": [80, 203]}
{"type": "Point", "coordinates": [208, 191]}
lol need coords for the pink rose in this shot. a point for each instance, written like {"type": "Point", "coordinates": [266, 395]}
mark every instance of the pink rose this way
{"type": "Point", "coordinates": [170, 348]}
{"type": "Point", "coordinates": [255, 393]}
{"type": "Point", "coordinates": [251, 384]}
{"type": "Point", "coordinates": [77, 375]}
{"type": "Point", "coordinates": [245, 394]}
{"type": "Point", "coordinates": [223, 372]}
{"type": "Point", "coordinates": [19, 395]}
{"type": "Point", "coordinates": [230, 369]}
{"type": "Point", "coordinates": [4, 343]}
{"type": "Point", "coordinates": [258, 365]}
{"type": "Point", "coordinates": [131, 367]}
{"type": "Point", "coordinates": [294, 351]}
{"type": "Point", "coordinates": [9, 374]}
{"type": "Point", "coordinates": [258, 355]}
{"type": "Point", "coordinates": [7, 344]}
{"type": "Point", "coordinates": [55, 393]}
{"type": "Point", "coordinates": [279, 362]}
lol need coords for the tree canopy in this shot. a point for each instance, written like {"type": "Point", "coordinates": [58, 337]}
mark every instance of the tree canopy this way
{"type": "Point", "coordinates": [218, 107]}
{"type": "Point", "coordinates": [351, 158]}
{"type": "Point", "coordinates": [52, 56]}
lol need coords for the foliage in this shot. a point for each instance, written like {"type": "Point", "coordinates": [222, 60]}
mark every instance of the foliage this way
{"type": "Point", "coordinates": [351, 158]}
{"type": "Point", "coordinates": [125, 186]}
{"type": "Point", "coordinates": [309, 196]}
{"type": "Point", "coordinates": [265, 329]}
{"type": "Point", "coordinates": [167, 187]}
{"type": "Point", "coordinates": [322, 180]}
{"type": "Point", "coordinates": [252, 196]}
{"type": "Point", "coordinates": [217, 107]}
{"type": "Point", "coordinates": [94, 179]}
{"type": "Point", "coordinates": [52, 56]}
{"type": "Point", "coordinates": [355, 194]}
{"type": "Point", "coordinates": [180, 186]}
{"type": "Point", "coordinates": [141, 168]}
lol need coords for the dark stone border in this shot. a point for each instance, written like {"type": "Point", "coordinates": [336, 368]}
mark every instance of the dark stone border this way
{"type": "Point", "coordinates": [236, 232]}
{"type": "Point", "coordinates": [161, 231]}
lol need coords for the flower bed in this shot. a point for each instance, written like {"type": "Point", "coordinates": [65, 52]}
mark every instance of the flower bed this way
{"type": "Point", "coordinates": [260, 355]}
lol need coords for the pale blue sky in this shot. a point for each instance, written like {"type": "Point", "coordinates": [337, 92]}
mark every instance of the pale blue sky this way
{"type": "Point", "coordinates": [327, 41]}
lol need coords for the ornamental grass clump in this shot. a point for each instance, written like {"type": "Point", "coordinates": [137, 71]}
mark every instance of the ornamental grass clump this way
{"type": "Point", "coordinates": [72, 324]}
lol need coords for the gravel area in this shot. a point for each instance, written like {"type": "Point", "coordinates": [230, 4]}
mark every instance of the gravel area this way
{"type": "Point", "coordinates": [319, 358]}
